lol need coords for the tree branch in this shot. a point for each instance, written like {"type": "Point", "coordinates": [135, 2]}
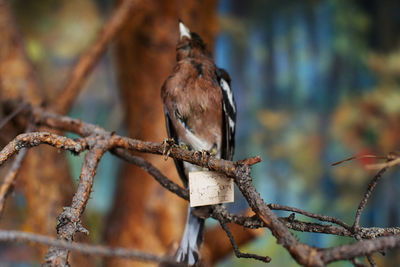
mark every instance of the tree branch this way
{"type": "Point", "coordinates": [88, 60]}
{"type": "Point", "coordinates": [310, 214]}
{"type": "Point", "coordinates": [69, 220]}
{"type": "Point", "coordinates": [361, 248]}
{"type": "Point", "coordinates": [371, 186]}
{"type": "Point", "coordinates": [98, 141]}
{"type": "Point", "coordinates": [103, 251]}
{"type": "Point", "coordinates": [153, 171]}
{"type": "Point", "coordinates": [9, 180]}
{"type": "Point", "coordinates": [238, 253]}
{"type": "Point", "coordinates": [37, 138]}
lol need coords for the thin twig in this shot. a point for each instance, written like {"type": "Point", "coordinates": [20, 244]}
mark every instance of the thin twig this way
{"type": "Point", "coordinates": [364, 200]}
{"type": "Point", "coordinates": [371, 260]}
{"type": "Point", "coordinates": [153, 171]}
{"type": "Point", "coordinates": [96, 250]}
{"type": "Point", "coordinates": [254, 222]}
{"type": "Point", "coordinates": [13, 114]}
{"type": "Point", "coordinates": [238, 253]}
{"type": "Point", "coordinates": [357, 157]}
{"type": "Point", "coordinates": [89, 59]}
{"type": "Point", "coordinates": [9, 180]}
{"type": "Point", "coordinates": [310, 214]}
{"type": "Point", "coordinates": [388, 164]}
{"type": "Point", "coordinates": [11, 176]}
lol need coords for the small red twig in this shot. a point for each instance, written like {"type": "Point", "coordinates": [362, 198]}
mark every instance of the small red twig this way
{"type": "Point", "coordinates": [250, 161]}
{"type": "Point", "coordinates": [358, 157]}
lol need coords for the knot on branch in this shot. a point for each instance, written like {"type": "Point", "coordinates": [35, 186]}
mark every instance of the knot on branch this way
{"type": "Point", "coordinates": [242, 173]}
{"type": "Point", "coordinates": [67, 223]}
{"type": "Point", "coordinates": [204, 156]}
{"type": "Point", "coordinates": [253, 222]}
{"type": "Point", "coordinates": [20, 145]}
{"type": "Point", "coordinates": [78, 147]}
{"type": "Point", "coordinates": [100, 140]}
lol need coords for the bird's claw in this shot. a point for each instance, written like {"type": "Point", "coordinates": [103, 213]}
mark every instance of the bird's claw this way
{"type": "Point", "coordinates": [205, 154]}
{"type": "Point", "coordinates": [167, 145]}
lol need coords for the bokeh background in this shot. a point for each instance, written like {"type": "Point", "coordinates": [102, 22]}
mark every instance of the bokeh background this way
{"type": "Point", "coordinates": [314, 81]}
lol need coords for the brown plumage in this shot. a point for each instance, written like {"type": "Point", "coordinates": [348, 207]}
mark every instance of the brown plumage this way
{"type": "Point", "coordinates": [200, 113]}
{"type": "Point", "coordinates": [194, 103]}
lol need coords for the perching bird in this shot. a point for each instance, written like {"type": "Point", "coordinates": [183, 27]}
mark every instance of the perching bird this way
{"type": "Point", "coordinates": [200, 114]}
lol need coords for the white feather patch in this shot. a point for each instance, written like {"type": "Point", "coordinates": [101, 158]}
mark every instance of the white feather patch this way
{"type": "Point", "coordinates": [225, 86]}
{"type": "Point", "coordinates": [231, 124]}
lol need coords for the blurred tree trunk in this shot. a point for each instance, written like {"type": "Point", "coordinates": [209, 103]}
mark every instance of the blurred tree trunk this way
{"type": "Point", "coordinates": [44, 178]}
{"type": "Point", "coordinates": [146, 216]}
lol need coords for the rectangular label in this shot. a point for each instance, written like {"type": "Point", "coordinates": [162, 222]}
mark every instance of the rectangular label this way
{"type": "Point", "coordinates": [210, 188]}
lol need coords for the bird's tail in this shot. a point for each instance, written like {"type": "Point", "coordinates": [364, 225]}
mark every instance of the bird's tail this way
{"type": "Point", "coordinates": [188, 251]}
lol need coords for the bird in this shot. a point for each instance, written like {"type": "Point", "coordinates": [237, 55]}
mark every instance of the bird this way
{"type": "Point", "coordinates": [200, 115]}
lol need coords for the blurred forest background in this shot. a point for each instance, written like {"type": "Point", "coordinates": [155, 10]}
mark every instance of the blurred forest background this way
{"type": "Point", "coordinates": [315, 82]}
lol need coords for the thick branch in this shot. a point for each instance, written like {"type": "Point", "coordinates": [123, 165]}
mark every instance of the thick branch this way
{"type": "Point", "coordinates": [69, 220]}
{"type": "Point", "coordinates": [64, 123]}
{"type": "Point", "coordinates": [361, 248]}
{"type": "Point", "coordinates": [37, 138]}
{"type": "Point", "coordinates": [302, 253]}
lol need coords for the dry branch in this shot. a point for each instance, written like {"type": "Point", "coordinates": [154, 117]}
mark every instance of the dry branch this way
{"type": "Point", "coordinates": [238, 253]}
{"type": "Point", "coordinates": [254, 223]}
{"type": "Point", "coordinates": [36, 138]}
{"type": "Point", "coordinates": [320, 217]}
{"type": "Point", "coordinates": [98, 141]}
{"type": "Point", "coordinates": [69, 221]}
{"type": "Point", "coordinates": [361, 248]}
{"type": "Point", "coordinates": [96, 250]}
{"type": "Point", "coordinates": [363, 203]}
{"type": "Point", "coordinates": [153, 171]}
{"type": "Point", "coordinates": [89, 59]}
{"type": "Point", "coordinates": [9, 180]}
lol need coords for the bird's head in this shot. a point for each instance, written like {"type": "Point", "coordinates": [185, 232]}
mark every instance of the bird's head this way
{"type": "Point", "coordinates": [190, 44]}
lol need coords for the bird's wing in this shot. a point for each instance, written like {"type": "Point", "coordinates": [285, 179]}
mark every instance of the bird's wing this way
{"type": "Point", "coordinates": [172, 134]}
{"type": "Point", "coordinates": [228, 115]}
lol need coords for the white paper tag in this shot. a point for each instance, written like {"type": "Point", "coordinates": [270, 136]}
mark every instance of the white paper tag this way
{"type": "Point", "coordinates": [209, 188]}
